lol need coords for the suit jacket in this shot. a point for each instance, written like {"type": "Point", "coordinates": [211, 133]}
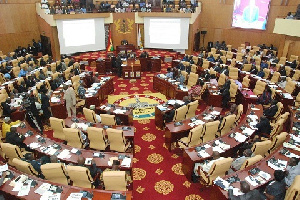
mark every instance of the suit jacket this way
{"type": "Point", "coordinates": [168, 116]}
{"type": "Point", "coordinates": [14, 138]}
{"type": "Point", "coordinates": [253, 194]}
{"type": "Point", "coordinates": [270, 112]}
{"type": "Point", "coordinates": [70, 97]}
{"type": "Point", "coordinates": [6, 109]}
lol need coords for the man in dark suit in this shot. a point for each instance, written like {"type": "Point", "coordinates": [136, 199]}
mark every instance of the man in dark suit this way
{"type": "Point", "coordinates": [94, 171]}
{"type": "Point", "coordinates": [248, 194]}
{"type": "Point", "coordinates": [169, 115]}
{"type": "Point", "coordinates": [36, 163]}
{"type": "Point", "coordinates": [271, 111]}
{"type": "Point", "coordinates": [7, 111]}
{"type": "Point", "coordinates": [15, 138]}
{"type": "Point", "coordinates": [263, 127]}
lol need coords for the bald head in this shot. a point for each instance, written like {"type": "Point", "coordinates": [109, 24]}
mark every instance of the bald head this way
{"type": "Point", "coordinates": [216, 155]}
{"type": "Point", "coordinates": [81, 160]}
{"type": "Point", "coordinates": [245, 187]}
{"type": "Point", "coordinates": [247, 153]}
{"type": "Point", "coordinates": [53, 159]}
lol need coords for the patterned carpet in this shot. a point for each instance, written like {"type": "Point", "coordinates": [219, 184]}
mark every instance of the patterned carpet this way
{"type": "Point", "coordinates": [157, 173]}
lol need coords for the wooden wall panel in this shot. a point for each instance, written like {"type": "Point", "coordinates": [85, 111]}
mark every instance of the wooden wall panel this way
{"type": "Point", "coordinates": [130, 35]}
{"type": "Point", "coordinates": [18, 24]}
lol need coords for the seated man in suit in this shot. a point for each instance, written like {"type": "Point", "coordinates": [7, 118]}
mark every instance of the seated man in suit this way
{"type": "Point", "coordinates": [248, 194]}
{"type": "Point", "coordinates": [94, 171]}
{"type": "Point", "coordinates": [7, 110]}
{"type": "Point", "coordinates": [169, 115]}
{"type": "Point", "coordinates": [186, 100]}
{"type": "Point", "coordinates": [36, 163]}
{"type": "Point", "coordinates": [15, 138]}
{"type": "Point", "coordinates": [238, 162]}
{"type": "Point", "coordinates": [276, 189]}
{"type": "Point", "coordinates": [263, 126]}
{"type": "Point", "coordinates": [271, 111]}
{"type": "Point", "coordinates": [292, 170]}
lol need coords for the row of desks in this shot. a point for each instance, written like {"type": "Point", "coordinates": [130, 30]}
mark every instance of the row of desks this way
{"type": "Point", "coordinates": [66, 189]}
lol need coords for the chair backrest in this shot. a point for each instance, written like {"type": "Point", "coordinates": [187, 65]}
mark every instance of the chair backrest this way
{"type": "Point", "coordinates": [194, 67]}
{"type": "Point", "coordinates": [219, 168]}
{"type": "Point", "coordinates": [259, 87]}
{"type": "Point", "coordinates": [193, 78]}
{"type": "Point", "coordinates": [57, 125]}
{"type": "Point", "coordinates": [290, 86]}
{"type": "Point", "coordinates": [24, 166]}
{"type": "Point", "coordinates": [114, 180]}
{"type": "Point", "coordinates": [107, 119]}
{"type": "Point", "coordinates": [227, 124]}
{"type": "Point", "coordinates": [80, 176]}
{"type": "Point", "coordinates": [222, 79]}
{"type": "Point", "coordinates": [73, 137]}
{"type": "Point", "coordinates": [293, 192]}
{"type": "Point", "coordinates": [288, 70]}
{"type": "Point", "coordinates": [240, 110]}
{"type": "Point", "coordinates": [234, 73]}
{"type": "Point", "coordinates": [246, 82]}
{"type": "Point", "coordinates": [279, 110]}
{"type": "Point", "coordinates": [89, 115]}
{"type": "Point", "coordinates": [297, 101]}
{"type": "Point", "coordinates": [267, 73]}
{"type": "Point", "coordinates": [275, 77]}
{"type": "Point", "coordinates": [293, 57]}
{"type": "Point", "coordinates": [192, 107]}
{"type": "Point", "coordinates": [11, 152]}
{"type": "Point", "coordinates": [75, 79]}
{"type": "Point", "coordinates": [116, 140]}
{"type": "Point", "coordinates": [251, 161]}
{"type": "Point", "coordinates": [195, 59]}
{"type": "Point", "coordinates": [233, 89]}
{"type": "Point", "coordinates": [55, 172]}
{"type": "Point", "coordinates": [261, 148]}
{"type": "Point", "coordinates": [209, 131]}
{"type": "Point", "coordinates": [205, 64]}
{"type": "Point", "coordinates": [97, 138]}
{"type": "Point", "coordinates": [194, 136]}
{"type": "Point", "coordinates": [282, 60]}
{"type": "Point", "coordinates": [185, 75]}
{"type": "Point", "coordinates": [296, 75]}
{"type": "Point", "coordinates": [277, 128]}
{"type": "Point", "coordinates": [278, 141]}
{"type": "Point", "coordinates": [247, 67]}
{"type": "Point", "coordinates": [180, 113]}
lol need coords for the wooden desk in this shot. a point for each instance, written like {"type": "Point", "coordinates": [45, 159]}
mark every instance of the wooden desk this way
{"type": "Point", "coordinates": [190, 156]}
{"type": "Point", "coordinates": [155, 64]}
{"type": "Point", "coordinates": [213, 98]}
{"type": "Point", "coordinates": [132, 71]}
{"type": "Point", "coordinates": [244, 97]}
{"type": "Point", "coordinates": [174, 133]}
{"type": "Point", "coordinates": [168, 89]}
{"type": "Point", "coordinates": [59, 109]}
{"type": "Point", "coordinates": [100, 162]}
{"type": "Point", "coordinates": [127, 133]}
{"type": "Point", "coordinates": [126, 118]}
{"type": "Point", "coordinates": [66, 189]}
{"type": "Point", "coordinates": [125, 48]}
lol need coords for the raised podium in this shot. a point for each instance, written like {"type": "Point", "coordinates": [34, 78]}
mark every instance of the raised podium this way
{"type": "Point", "coordinates": [131, 69]}
{"type": "Point", "coordinates": [125, 48]}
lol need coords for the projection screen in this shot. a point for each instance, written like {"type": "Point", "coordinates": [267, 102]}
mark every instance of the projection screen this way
{"type": "Point", "coordinates": [81, 35]}
{"type": "Point", "coordinates": [166, 33]}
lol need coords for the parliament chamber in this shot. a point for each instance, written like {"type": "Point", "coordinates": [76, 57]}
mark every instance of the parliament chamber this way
{"type": "Point", "coordinates": [97, 102]}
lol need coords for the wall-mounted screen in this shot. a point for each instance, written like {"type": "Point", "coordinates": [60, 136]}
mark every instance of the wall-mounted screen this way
{"type": "Point", "coordinates": [252, 14]}
{"type": "Point", "coordinates": [81, 35]}
{"type": "Point", "coordinates": [166, 33]}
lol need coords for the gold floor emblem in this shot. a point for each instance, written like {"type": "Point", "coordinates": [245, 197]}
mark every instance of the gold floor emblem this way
{"type": "Point", "coordinates": [164, 187]}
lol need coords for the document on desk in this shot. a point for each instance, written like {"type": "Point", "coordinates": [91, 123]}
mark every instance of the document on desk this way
{"type": "Point", "coordinates": [291, 146]}
{"type": "Point", "coordinates": [240, 137]}
{"type": "Point", "coordinates": [162, 108]}
{"type": "Point", "coordinates": [34, 145]}
{"type": "Point", "coordinates": [50, 196]}
{"type": "Point", "coordinates": [255, 108]}
{"type": "Point", "coordinates": [64, 154]}
{"type": "Point", "coordinates": [218, 149]}
{"type": "Point", "coordinates": [287, 96]}
{"type": "Point", "coordinates": [203, 154]}
{"type": "Point", "coordinates": [264, 175]}
{"type": "Point", "coordinates": [75, 196]}
{"type": "Point", "coordinates": [25, 189]}
{"type": "Point", "coordinates": [43, 188]}
{"type": "Point", "coordinates": [119, 111]}
{"type": "Point", "coordinates": [55, 100]}
{"type": "Point", "coordinates": [126, 162]}
{"type": "Point", "coordinates": [278, 165]}
{"type": "Point", "coordinates": [221, 183]}
{"type": "Point", "coordinates": [3, 168]}
{"type": "Point", "coordinates": [253, 117]}
{"type": "Point", "coordinates": [215, 113]}
{"type": "Point", "coordinates": [248, 131]}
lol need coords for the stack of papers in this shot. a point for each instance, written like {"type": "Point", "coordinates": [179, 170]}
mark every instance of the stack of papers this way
{"type": "Point", "coordinates": [240, 137]}
{"type": "Point", "coordinates": [203, 154]}
{"type": "Point", "coordinates": [208, 117]}
{"type": "Point", "coordinates": [162, 108]}
{"type": "Point", "coordinates": [55, 100]}
{"type": "Point", "coordinates": [183, 88]}
{"type": "Point", "coordinates": [196, 123]}
{"type": "Point", "coordinates": [82, 126]}
{"type": "Point", "coordinates": [287, 96]}
{"type": "Point", "coordinates": [278, 165]}
{"type": "Point", "coordinates": [255, 181]}
{"type": "Point", "coordinates": [220, 146]}
{"type": "Point", "coordinates": [215, 113]}
{"type": "Point", "coordinates": [221, 183]}
{"type": "Point", "coordinates": [248, 131]}
{"type": "Point", "coordinates": [291, 146]}
{"type": "Point", "coordinates": [255, 109]}
{"type": "Point", "coordinates": [34, 145]}
{"type": "Point", "coordinates": [75, 196]}
{"type": "Point", "coordinates": [126, 162]}
{"type": "Point", "coordinates": [64, 154]}
{"type": "Point", "coordinates": [119, 111]}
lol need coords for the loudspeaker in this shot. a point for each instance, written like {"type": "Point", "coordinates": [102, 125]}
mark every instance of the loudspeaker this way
{"type": "Point", "coordinates": [203, 32]}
